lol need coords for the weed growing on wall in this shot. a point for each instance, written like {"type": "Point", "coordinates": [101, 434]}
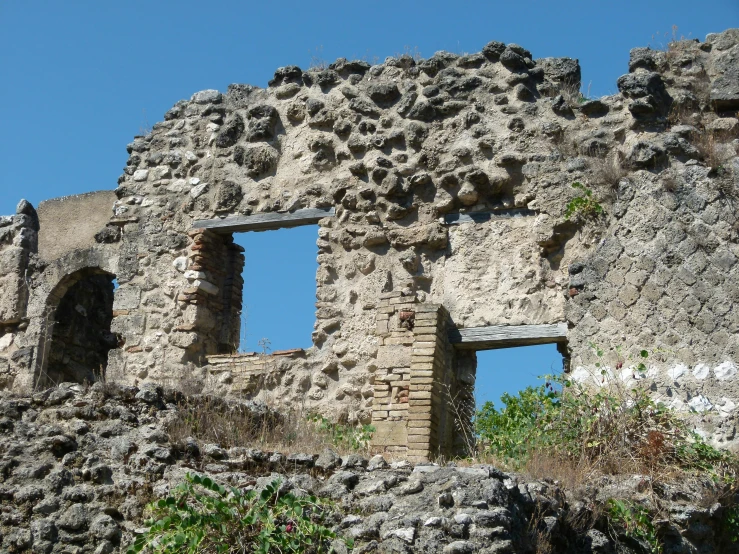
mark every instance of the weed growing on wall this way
{"type": "Point", "coordinates": [203, 516]}
{"type": "Point", "coordinates": [634, 522]}
{"type": "Point", "coordinates": [584, 205]}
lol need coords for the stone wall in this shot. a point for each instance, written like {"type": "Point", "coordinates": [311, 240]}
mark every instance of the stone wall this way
{"type": "Point", "coordinates": [79, 466]}
{"type": "Point", "coordinates": [18, 240]}
{"type": "Point", "coordinates": [446, 185]}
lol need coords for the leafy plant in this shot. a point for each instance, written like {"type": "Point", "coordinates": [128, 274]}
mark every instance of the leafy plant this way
{"type": "Point", "coordinates": [343, 436]}
{"type": "Point", "coordinates": [635, 522]}
{"type": "Point", "coordinates": [509, 433]}
{"type": "Point", "coordinates": [205, 517]}
{"type": "Point", "coordinates": [608, 428]}
{"type": "Point", "coordinates": [584, 205]}
{"type": "Point", "coordinates": [731, 523]}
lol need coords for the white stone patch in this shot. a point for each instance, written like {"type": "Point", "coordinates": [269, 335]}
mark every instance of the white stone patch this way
{"type": "Point", "coordinates": [406, 534]}
{"type": "Point", "coordinates": [206, 287]}
{"type": "Point", "coordinates": [580, 374]}
{"type": "Point", "coordinates": [676, 372]}
{"type": "Point", "coordinates": [212, 127]}
{"type": "Point", "coordinates": [6, 340]}
{"type": "Point", "coordinates": [725, 407]}
{"type": "Point", "coordinates": [141, 175]}
{"type": "Point", "coordinates": [701, 371]}
{"type": "Point", "coordinates": [700, 403]}
{"type": "Point", "coordinates": [194, 181]}
{"type": "Point", "coordinates": [180, 264]}
{"type": "Point", "coordinates": [191, 275]}
{"type": "Point", "coordinates": [677, 404]}
{"type": "Point", "coordinates": [190, 157]}
{"type": "Point", "coordinates": [724, 371]}
{"type": "Point", "coordinates": [199, 190]}
{"type": "Point", "coordinates": [180, 185]}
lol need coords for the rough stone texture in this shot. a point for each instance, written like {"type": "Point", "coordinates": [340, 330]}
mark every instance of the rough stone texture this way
{"type": "Point", "coordinates": [394, 148]}
{"type": "Point", "coordinates": [79, 466]}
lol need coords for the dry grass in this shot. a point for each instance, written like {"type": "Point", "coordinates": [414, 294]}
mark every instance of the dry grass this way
{"type": "Point", "coordinates": [235, 424]}
{"type": "Point", "coordinates": [609, 170]}
{"type": "Point", "coordinates": [715, 148]}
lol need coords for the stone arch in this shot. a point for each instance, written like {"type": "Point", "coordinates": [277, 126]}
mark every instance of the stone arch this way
{"type": "Point", "coordinates": [73, 321]}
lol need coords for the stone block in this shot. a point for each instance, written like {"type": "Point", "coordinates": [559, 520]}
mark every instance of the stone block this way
{"type": "Point", "coordinates": [389, 433]}
{"type": "Point", "coordinates": [393, 355]}
{"type": "Point", "coordinates": [126, 297]}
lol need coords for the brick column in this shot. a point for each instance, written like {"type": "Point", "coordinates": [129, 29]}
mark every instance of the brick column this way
{"type": "Point", "coordinates": [411, 363]}
{"type": "Point", "coordinates": [395, 316]}
{"type": "Point", "coordinates": [429, 355]}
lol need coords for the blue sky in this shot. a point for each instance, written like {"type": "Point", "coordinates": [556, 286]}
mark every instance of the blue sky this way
{"type": "Point", "coordinates": [79, 79]}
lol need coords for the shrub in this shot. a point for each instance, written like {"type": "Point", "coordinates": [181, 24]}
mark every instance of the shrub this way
{"type": "Point", "coordinates": [203, 517]}
{"type": "Point", "coordinates": [609, 429]}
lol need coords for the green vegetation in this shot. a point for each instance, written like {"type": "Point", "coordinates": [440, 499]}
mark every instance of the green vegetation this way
{"type": "Point", "coordinates": [205, 517]}
{"type": "Point", "coordinates": [584, 205]}
{"type": "Point", "coordinates": [635, 522]}
{"type": "Point", "coordinates": [608, 429]}
{"type": "Point", "coordinates": [344, 437]}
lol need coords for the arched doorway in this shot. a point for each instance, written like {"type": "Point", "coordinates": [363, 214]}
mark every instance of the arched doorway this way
{"type": "Point", "coordinates": [78, 336]}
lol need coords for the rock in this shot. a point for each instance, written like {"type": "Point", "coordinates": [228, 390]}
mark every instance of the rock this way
{"type": "Point", "coordinates": [354, 461]}
{"type": "Point", "coordinates": [459, 547]}
{"type": "Point", "coordinates": [74, 518]}
{"type": "Point", "coordinates": [207, 97]}
{"type": "Point", "coordinates": [328, 460]}
{"type": "Point", "coordinates": [214, 451]}
{"type": "Point", "coordinates": [105, 527]}
{"type": "Point", "coordinates": [377, 462]}
{"type": "Point", "coordinates": [44, 530]}
{"type": "Point", "coordinates": [306, 460]}
{"type": "Point", "coordinates": [564, 71]}
{"type": "Point", "coordinates": [725, 91]}
{"type": "Point", "coordinates": [383, 93]}
{"type": "Point", "coordinates": [230, 132]}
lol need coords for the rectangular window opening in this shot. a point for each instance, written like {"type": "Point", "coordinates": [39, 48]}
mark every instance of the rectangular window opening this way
{"type": "Point", "coordinates": [279, 289]}
{"type": "Point", "coordinates": [512, 370]}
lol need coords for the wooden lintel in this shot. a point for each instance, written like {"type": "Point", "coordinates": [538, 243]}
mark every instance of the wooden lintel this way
{"type": "Point", "coordinates": [504, 336]}
{"type": "Point", "coordinates": [481, 217]}
{"type": "Point", "coordinates": [265, 221]}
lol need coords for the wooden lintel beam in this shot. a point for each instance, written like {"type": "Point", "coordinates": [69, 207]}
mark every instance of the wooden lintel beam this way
{"type": "Point", "coordinates": [504, 336]}
{"type": "Point", "coordinates": [265, 221]}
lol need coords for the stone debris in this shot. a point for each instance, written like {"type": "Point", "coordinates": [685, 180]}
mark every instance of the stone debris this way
{"type": "Point", "coordinates": [90, 496]}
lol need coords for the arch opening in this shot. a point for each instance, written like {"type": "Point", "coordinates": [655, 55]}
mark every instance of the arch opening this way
{"type": "Point", "coordinates": [78, 334]}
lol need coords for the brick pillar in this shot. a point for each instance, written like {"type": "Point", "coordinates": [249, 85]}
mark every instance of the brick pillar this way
{"type": "Point", "coordinates": [429, 361]}
{"type": "Point", "coordinates": [412, 358]}
{"type": "Point", "coordinates": [394, 331]}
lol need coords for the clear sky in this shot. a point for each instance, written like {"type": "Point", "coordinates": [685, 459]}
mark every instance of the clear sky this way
{"type": "Point", "coordinates": [78, 79]}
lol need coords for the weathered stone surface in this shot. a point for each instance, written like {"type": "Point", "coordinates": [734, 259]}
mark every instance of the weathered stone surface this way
{"type": "Point", "coordinates": [393, 154]}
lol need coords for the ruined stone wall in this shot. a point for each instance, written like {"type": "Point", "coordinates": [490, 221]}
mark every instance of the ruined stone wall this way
{"type": "Point", "coordinates": [450, 181]}
{"type": "Point", "coordinates": [18, 241]}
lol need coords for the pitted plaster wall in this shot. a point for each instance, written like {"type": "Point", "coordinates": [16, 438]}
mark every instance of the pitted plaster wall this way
{"type": "Point", "coordinates": [395, 149]}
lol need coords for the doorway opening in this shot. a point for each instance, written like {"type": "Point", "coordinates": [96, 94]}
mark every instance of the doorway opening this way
{"type": "Point", "coordinates": [80, 313]}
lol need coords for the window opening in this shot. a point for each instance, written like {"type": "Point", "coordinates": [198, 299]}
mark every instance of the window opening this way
{"type": "Point", "coordinates": [511, 370]}
{"type": "Point", "coordinates": [279, 290]}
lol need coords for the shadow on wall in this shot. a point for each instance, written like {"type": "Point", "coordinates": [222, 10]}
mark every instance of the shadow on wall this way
{"type": "Point", "coordinates": [80, 335]}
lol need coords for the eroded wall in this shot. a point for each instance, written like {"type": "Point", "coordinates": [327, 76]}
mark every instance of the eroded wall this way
{"type": "Point", "coordinates": [640, 257]}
